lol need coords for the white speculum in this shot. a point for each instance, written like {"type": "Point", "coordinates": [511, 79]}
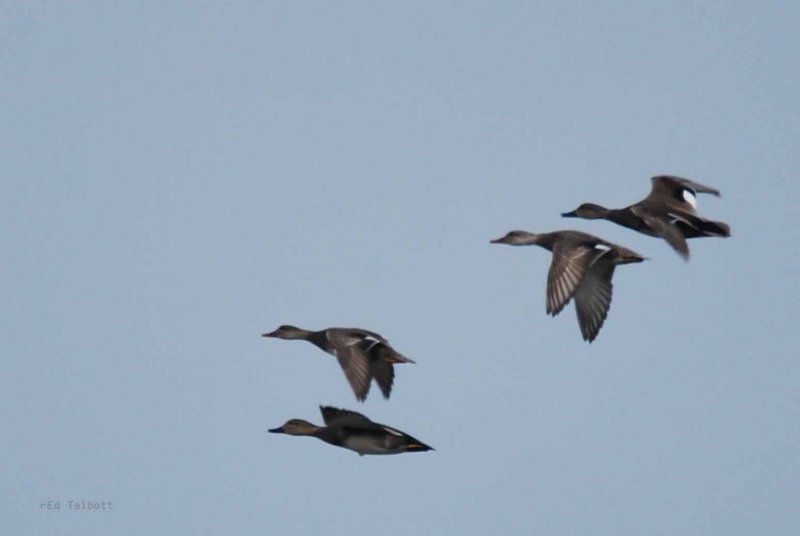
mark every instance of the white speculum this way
{"type": "Point", "coordinates": [690, 198]}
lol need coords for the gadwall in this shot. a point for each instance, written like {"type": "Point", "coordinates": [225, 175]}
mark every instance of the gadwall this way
{"type": "Point", "coordinates": [668, 212]}
{"type": "Point", "coordinates": [354, 431]}
{"type": "Point", "coordinates": [582, 268]}
{"type": "Point", "coordinates": [363, 355]}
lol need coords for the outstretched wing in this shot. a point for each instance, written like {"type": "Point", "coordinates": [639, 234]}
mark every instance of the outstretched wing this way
{"type": "Point", "coordinates": [567, 271]}
{"type": "Point", "coordinates": [353, 348]}
{"type": "Point", "coordinates": [345, 417]}
{"type": "Point", "coordinates": [677, 191]}
{"type": "Point", "coordinates": [664, 229]}
{"type": "Point", "coordinates": [593, 298]}
{"type": "Point", "coordinates": [383, 372]}
{"type": "Point", "coordinates": [671, 181]}
{"type": "Point", "coordinates": [355, 365]}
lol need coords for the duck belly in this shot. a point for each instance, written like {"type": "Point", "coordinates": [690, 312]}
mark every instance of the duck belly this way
{"type": "Point", "coordinates": [369, 445]}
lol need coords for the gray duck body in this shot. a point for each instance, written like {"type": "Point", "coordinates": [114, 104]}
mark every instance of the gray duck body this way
{"type": "Point", "coordinates": [667, 212]}
{"type": "Point", "coordinates": [354, 431]}
{"type": "Point", "coordinates": [582, 268]}
{"type": "Point", "coordinates": [363, 355]}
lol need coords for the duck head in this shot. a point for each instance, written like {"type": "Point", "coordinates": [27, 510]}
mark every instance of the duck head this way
{"type": "Point", "coordinates": [588, 211]}
{"type": "Point", "coordinates": [288, 332]}
{"type": "Point", "coordinates": [297, 427]}
{"type": "Point", "coordinates": [517, 238]}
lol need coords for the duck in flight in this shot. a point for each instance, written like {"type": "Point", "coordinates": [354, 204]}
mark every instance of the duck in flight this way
{"type": "Point", "coordinates": [354, 431]}
{"type": "Point", "coordinates": [363, 355]}
{"type": "Point", "coordinates": [582, 268]}
{"type": "Point", "coordinates": [668, 212]}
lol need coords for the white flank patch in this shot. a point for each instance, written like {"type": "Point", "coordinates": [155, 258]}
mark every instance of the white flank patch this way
{"type": "Point", "coordinates": [689, 197]}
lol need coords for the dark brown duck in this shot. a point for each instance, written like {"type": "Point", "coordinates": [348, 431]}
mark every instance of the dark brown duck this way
{"type": "Point", "coordinates": [668, 212]}
{"type": "Point", "coordinates": [354, 431]}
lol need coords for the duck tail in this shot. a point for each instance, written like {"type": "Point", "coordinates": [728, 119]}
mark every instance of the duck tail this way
{"type": "Point", "coordinates": [390, 355]}
{"type": "Point", "coordinates": [715, 228]}
{"type": "Point", "coordinates": [395, 357]}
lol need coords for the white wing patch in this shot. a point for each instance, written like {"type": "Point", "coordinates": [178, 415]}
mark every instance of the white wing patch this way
{"type": "Point", "coordinates": [349, 340]}
{"type": "Point", "coordinates": [393, 431]}
{"type": "Point", "coordinates": [675, 218]}
{"type": "Point", "coordinates": [602, 247]}
{"type": "Point", "coordinates": [689, 197]}
{"type": "Point", "coordinates": [372, 341]}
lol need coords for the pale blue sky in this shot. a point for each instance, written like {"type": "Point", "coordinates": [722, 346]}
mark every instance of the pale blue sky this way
{"type": "Point", "coordinates": [181, 177]}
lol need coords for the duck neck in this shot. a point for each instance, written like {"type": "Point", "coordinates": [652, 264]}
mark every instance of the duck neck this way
{"type": "Point", "coordinates": [318, 339]}
{"type": "Point", "coordinates": [328, 435]}
{"type": "Point", "coordinates": [599, 212]}
{"type": "Point", "coordinates": [546, 240]}
{"type": "Point", "coordinates": [617, 215]}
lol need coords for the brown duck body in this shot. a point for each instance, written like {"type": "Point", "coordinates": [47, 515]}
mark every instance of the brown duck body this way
{"type": "Point", "coordinates": [363, 355]}
{"type": "Point", "coordinates": [354, 431]}
{"type": "Point", "coordinates": [668, 212]}
{"type": "Point", "coordinates": [582, 268]}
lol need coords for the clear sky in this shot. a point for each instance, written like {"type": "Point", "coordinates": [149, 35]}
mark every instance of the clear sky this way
{"type": "Point", "coordinates": [180, 177]}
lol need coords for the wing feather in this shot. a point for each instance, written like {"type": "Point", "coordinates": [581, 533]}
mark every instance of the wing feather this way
{"type": "Point", "coordinates": [567, 271]}
{"type": "Point", "coordinates": [593, 298]}
{"type": "Point", "coordinates": [664, 229]}
{"type": "Point", "coordinates": [355, 365]}
{"type": "Point", "coordinates": [331, 415]}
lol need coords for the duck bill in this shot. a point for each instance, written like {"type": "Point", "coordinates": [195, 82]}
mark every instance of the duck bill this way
{"type": "Point", "coordinates": [569, 214]}
{"type": "Point", "coordinates": [270, 334]}
{"type": "Point", "coordinates": [418, 447]}
{"type": "Point", "coordinates": [501, 240]}
{"type": "Point", "coordinates": [278, 430]}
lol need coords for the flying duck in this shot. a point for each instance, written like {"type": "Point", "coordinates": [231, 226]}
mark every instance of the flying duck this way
{"type": "Point", "coordinates": [354, 431]}
{"type": "Point", "coordinates": [363, 355]}
{"type": "Point", "coordinates": [582, 268]}
{"type": "Point", "coordinates": [668, 212]}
